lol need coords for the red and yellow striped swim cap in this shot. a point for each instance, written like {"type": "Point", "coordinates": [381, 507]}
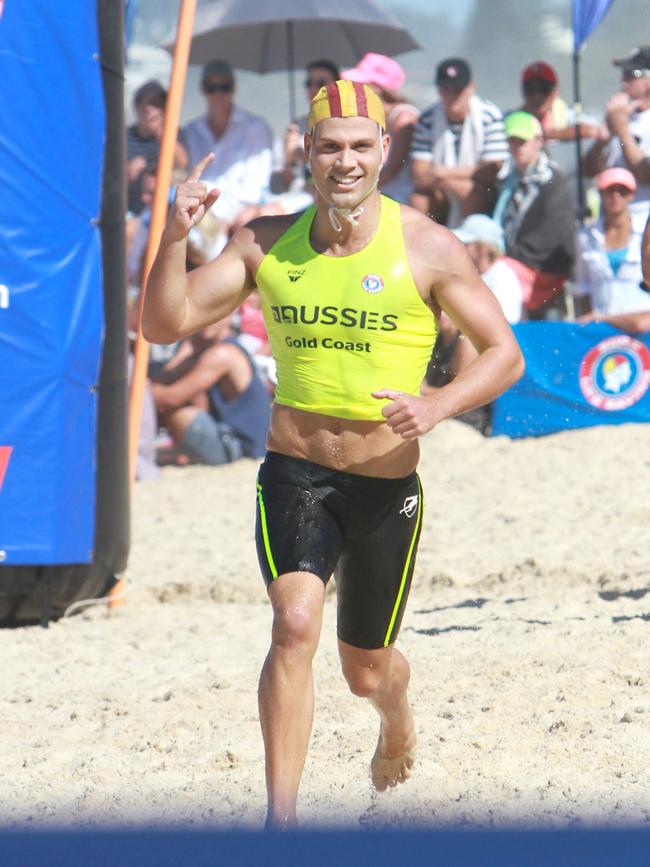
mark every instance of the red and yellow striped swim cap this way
{"type": "Point", "coordinates": [346, 99]}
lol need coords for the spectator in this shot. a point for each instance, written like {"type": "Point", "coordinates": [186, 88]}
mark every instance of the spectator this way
{"type": "Point", "coordinates": [535, 208]}
{"type": "Point", "coordinates": [241, 142]}
{"type": "Point", "coordinates": [211, 401]}
{"type": "Point", "coordinates": [143, 141]}
{"type": "Point", "coordinates": [457, 149]}
{"type": "Point", "coordinates": [541, 92]}
{"type": "Point", "coordinates": [608, 263]}
{"type": "Point", "coordinates": [293, 175]}
{"type": "Point", "coordinates": [386, 77]}
{"type": "Point", "coordinates": [485, 243]}
{"type": "Point", "coordinates": [624, 139]}
{"type": "Point", "coordinates": [254, 338]}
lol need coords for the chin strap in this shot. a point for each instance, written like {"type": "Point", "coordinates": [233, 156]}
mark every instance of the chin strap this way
{"type": "Point", "coordinates": [345, 213]}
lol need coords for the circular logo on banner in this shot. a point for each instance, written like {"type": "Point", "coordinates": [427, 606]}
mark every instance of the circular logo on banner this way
{"type": "Point", "coordinates": [615, 374]}
{"type": "Point", "coordinates": [372, 283]}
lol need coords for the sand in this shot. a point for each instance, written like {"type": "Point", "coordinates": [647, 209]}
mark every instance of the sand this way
{"type": "Point", "coordinates": [527, 630]}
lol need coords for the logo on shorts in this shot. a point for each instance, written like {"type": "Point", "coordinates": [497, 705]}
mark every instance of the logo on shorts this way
{"type": "Point", "coordinates": [372, 283]}
{"type": "Point", "coordinates": [615, 374]}
{"type": "Point", "coordinates": [410, 506]}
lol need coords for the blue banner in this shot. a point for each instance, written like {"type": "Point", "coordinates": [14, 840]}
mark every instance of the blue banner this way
{"type": "Point", "coordinates": [51, 310]}
{"type": "Point", "coordinates": [576, 376]}
{"type": "Point", "coordinates": [587, 15]}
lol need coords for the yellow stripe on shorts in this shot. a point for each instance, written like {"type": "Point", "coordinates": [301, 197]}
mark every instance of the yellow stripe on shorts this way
{"type": "Point", "coordinates": [406, 567]}
{"type": "Point", "coordinates": [265, 533]}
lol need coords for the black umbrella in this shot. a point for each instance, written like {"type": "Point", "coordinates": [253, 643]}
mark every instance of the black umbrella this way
{"type": "Point", "coordinates": [271, 35]}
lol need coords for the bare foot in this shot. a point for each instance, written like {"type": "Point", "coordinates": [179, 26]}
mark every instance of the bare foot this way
{"type": "Point", "coordinates": [390, 770]}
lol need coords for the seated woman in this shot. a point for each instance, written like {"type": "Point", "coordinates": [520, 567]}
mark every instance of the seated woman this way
{"type": "Point", "coordinates": [608, 254]}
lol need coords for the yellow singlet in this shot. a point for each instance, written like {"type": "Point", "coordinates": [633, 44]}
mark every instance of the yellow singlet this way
{"type": "Point", "coordinates": [341, 327]}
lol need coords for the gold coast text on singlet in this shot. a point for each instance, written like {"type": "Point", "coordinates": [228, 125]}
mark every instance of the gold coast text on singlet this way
{"type": "Point", "coordinates": [341, 327]}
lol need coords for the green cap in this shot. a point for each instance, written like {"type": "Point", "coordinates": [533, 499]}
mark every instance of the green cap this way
{"type": "Point", "coordinates": [521, 124]}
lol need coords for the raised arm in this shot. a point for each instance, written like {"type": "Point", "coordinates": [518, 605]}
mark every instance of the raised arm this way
{"type": "Point", "coordinates": [177, 303]}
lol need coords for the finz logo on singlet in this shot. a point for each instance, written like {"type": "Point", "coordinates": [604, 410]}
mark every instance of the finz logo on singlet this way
{"type": "Point", "coordinates": [295, 274]}
{"type": "Point", "coordinates": [372, 283]}
{"type": "Point", "coordinates": [410, 506]}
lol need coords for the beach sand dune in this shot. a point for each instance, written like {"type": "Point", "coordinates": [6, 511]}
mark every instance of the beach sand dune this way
{"type": "Point", "coordinates": [528, 631]}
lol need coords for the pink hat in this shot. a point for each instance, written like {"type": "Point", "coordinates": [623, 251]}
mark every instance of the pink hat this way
{"type": "Point", "coordinates": [617, 177]}
{"type": "Point", "coordinates": [377, 69]}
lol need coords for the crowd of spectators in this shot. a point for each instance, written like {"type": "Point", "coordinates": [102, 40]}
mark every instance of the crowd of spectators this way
{"type": "Point", "coordinates": [498, 179]}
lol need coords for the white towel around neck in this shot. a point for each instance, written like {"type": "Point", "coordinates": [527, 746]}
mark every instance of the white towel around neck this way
{"type": "Point", "coordinates": [471, 136]}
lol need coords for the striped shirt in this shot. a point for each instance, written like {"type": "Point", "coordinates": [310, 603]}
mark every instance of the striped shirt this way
{"type": "Point", "coordinates": [494, 146]}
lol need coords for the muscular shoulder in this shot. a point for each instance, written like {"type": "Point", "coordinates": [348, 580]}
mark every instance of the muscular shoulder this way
{"type": "Point", "coordinates": [255, 239]}
{"type": "Point", "coordinates": [429, 242]}
{"type": "Point", "coordinates": [436, 257]}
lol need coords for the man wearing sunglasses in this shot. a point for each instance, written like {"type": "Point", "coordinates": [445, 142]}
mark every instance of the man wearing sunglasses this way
{"type": "Point", "coordinates": [624, 139]}
{"type": "Point", "coordinates": [241, 142]}
{"type": "Point", "coordinates": [540, 89]}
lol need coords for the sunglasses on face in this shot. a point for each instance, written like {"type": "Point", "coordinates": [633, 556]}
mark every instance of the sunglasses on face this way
{"type": "Point", "coordinates": [218, 86]}
{"type": "Point", "coordinates": [316, 82]}
{"type": "Point", "coordinates": [532, 87]}
{"type": "Point", "coordinates": [617, 189]}
{"type": "Point", "coordinates": [632, 74]}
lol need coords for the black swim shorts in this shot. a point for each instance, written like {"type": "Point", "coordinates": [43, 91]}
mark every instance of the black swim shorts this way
{"type": "Point", "coordinates": [365, 530]}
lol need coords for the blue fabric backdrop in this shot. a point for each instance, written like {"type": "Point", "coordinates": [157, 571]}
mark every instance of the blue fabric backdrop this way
{"type": "Point", "coordinates": [576, 376]}
{"type": "Point", "coordinates": [51, 147]}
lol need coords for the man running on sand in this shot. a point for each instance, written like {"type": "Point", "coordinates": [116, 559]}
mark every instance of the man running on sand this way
{"type": "Point", "coordinates": [351, 290]}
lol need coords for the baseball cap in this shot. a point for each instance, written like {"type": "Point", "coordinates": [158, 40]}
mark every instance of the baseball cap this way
{"type": "Point", "coordinates": [616, 176]}
{"type": "Point", "coordinates": [217, 67]}
{"type": "Point", "coordinates": [638, 58]}
{"type": "Point", "coordinates": [346, 99]}
{"type": "Point", "coordinates": [453, 72]}
{"type": "Point", "coordinates": [539, 71]}
{"type": "Point", "coordinates": [480, 227]}
{"type": "Point", "coordinates": [521, 124]}
{"type": "Point", "coordinates": [377, 69]}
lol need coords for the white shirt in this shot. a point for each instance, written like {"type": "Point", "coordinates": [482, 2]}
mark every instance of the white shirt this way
{"type": "Point", "coordinates": [640, 131]}
{"type": "Point", "coordinates": [610, 293]}
{"type": "Point", "coordinates": [243, 156]}
{"type": "Point", "coordinates": [506, 287]}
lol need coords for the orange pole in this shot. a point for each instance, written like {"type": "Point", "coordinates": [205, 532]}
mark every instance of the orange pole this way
{"type": "Point", "coordinates": [159, 214]}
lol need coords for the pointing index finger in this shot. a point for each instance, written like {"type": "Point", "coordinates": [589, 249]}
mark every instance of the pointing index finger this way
{"type": "Point", "coordinates": [199, 168]}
